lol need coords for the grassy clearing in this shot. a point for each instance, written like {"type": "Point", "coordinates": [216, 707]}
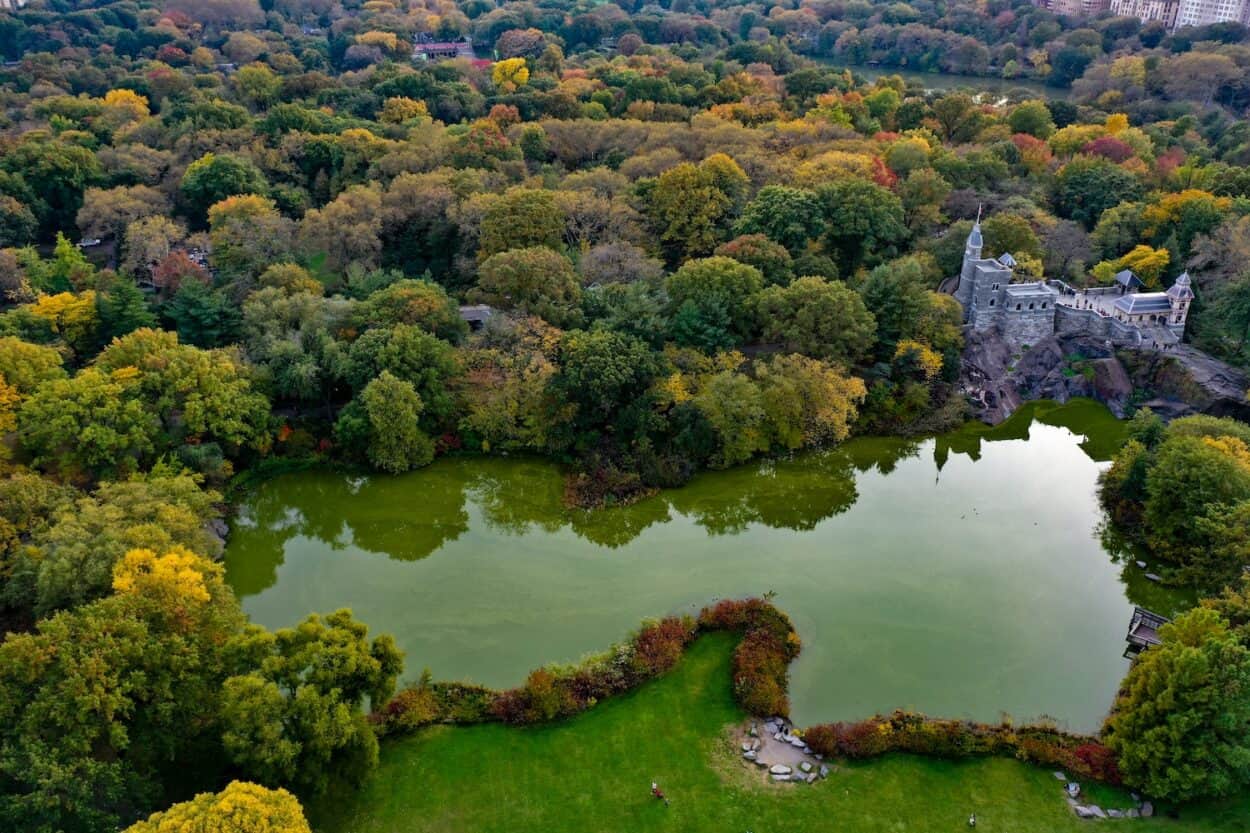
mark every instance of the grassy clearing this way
{"type": "Point", "coordinates": [593, 773]}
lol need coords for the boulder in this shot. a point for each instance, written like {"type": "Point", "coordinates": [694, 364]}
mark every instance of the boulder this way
{"type": "Point", "coordinates": [749, 754]}
{"type": "Point", "coordinates": [1059, 776]}
{"type": "Point", "coordinates": [824, 771]}
{"type": "Point", "coordinates": [780, 769]}
{"type": "Point", "coordinates": [805, 766]}
{"type": "Point", "coordinates": [746, 747]}
{"type": "Point", "coordinates": [1084, 811]}
{"type": "Point", "coordinates": [1115, 814]}
{"type": "Point", "coordinates": [811, 778]}
{"type": "Point", "coordinates": [1098, 812]}
{"type": "Point", "coordinates": [780, 778]}
{"type": "Point", "coordinates": [1147, 809]}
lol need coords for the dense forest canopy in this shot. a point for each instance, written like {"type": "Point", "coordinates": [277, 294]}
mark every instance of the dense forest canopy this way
{"type": "Point", "coordinates": [641, 239]}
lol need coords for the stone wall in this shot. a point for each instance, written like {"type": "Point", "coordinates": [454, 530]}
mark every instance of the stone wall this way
{"type": "Point", "coordinates": [1072, 321]}
{"type": "Point", "coordinates": [1027, 326]}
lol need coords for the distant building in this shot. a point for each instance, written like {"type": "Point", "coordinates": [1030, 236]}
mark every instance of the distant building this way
{"type": "Point", "coordinates": [1163, 11]}
{"type": "Point", "coordinates": [12, 5]}
{"type": "Point", "coordinates": [1077, 8]}
{"type": "Point", "coordinates": [424, 48]}
{"type": "Point", "coordinates": [1205, 12]}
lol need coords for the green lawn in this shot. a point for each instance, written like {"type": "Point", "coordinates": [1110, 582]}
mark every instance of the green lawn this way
{"type": "Point", "coordinates": [593, 774]}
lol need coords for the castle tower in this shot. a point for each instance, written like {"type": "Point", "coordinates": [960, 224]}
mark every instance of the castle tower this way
{"type": "Point", "coordinates": [968, 273]}
{"type": "Point", "coordinates": [1180, 296]}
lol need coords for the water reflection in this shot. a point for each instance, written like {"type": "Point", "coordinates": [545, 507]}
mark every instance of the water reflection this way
{"type": "Point", "coordinates": [961, 575]}
{"type": "Point", "coordinates": [414, 516]}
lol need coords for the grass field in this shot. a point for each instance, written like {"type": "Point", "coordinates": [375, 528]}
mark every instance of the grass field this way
{"type": "Point", "coordinates": [593, 774]}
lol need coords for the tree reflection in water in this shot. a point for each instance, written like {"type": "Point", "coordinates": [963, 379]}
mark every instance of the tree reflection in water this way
{"type": "Point", "coordinates": [412, 516]}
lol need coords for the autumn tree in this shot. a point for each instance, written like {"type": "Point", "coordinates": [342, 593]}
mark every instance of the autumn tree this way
{"type": "Point", "coordinates": [521, 218]}
{"type": "Point", "coordinates": [692, 206]}
{"type": "Point", "coordinates": [537, 281]}
{"type": "Point", "coordinates": [242, 807]}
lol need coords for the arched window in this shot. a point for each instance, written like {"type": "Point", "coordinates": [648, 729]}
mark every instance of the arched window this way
{"type": "Point", "coordinates": [1017, 307]}
{"type": "Point", "coordinates": [1030, 305]}
{"type": "Point", "coordinates": [991, 302]}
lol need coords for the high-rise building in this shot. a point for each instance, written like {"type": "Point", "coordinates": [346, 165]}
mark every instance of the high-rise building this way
{"type": "Point", "coordinates": [1077, 8]}
{"type": "Point", "coordinates": [1204, 12]}
{"type": "Point", "coordinates": [1163, 11]}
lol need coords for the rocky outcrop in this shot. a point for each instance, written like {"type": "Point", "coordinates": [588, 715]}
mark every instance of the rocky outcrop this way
{"type": "Point", "coordinates": [997, 377]}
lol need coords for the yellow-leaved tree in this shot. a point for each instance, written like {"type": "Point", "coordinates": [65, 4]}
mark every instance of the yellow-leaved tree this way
{"type": "Point", "coordinates": [175, 578]}
{"type": "Point", "coordinates": [510, 73]}
{"type": "Point", "coordinates": [242, 807]}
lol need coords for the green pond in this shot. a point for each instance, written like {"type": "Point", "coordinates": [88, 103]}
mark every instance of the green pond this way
{"type": "Point", "coordinates": [961, 576]}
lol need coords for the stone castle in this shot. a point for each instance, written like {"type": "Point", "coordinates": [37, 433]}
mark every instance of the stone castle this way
{"type": "Point", "coordinates": [1026, 313]}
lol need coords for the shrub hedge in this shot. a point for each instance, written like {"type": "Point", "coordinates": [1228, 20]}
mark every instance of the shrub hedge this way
{"type": "Point", "coordinates": [761, 664]}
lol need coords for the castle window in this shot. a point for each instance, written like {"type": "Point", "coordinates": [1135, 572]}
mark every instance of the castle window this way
{"type": "Point", "coordinates": [1043, 305]}
{"type": "Point", "coordinates": [1030, 305]}
{"type": "Point", "coordinates": [991, 302]}
{"type": "Point", "coordinates": [994, 287]}
{"type": "Point", "coordinates": [1017, 307]}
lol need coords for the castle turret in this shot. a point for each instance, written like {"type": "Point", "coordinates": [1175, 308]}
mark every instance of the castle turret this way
{"type": "Point", "coordinates": [967, 274]}
{"type": "Point", "coordinates": [1180, 296]}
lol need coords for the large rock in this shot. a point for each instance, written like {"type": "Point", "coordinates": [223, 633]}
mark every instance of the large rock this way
{"type": "Point", "coordinates": [779, 769]}
{"type": "Point", "coordinates": [997, 377]}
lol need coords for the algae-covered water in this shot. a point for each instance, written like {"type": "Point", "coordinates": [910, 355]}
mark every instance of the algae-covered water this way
{"type": "Point", "coordinates": [961, 576]}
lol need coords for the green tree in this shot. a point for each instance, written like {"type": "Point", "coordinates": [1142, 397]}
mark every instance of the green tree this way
{"type": "Point", "coordinates": [26, 366]}
{"type": "Point", "coordinates": [863, 221]}
{"type": "Point", "coordinates": [897, 295]}
{"type": "Point", "coordinates": [90, 425]}
{"type": "Point", "coordinates": [121, 309]}
{"type": "Point", "coordinates": [713, 288]}
{"type": "Point", "coordinates": [98, 701]}
{"type": "Point", "coordinates": [1032, 117]}
{"type": "Point", "coordinates": [203, 316]}
{"type": "Point", "coordinates": [1181, 724]}
{"type": "Point", "coordinates": [536, 281]}
{"type": "Point", "coordinates": [521, 218]}
{"type": "Point", "coordinates": [603, 373]}
{"type": "Point", "coordinates": [73, 558]}
{"type": "Point", "coordinates": [297, 718]}
{"type": "Point", "coordinates": [815, 317]}
{"type": "Point", "coordinates": [384, 418]}
{"type": "Point", "coordinates": [411, 355]}
{"type": "Point", "coordinates": [1189, 475]}
{"type": "Point", "coordinates": [789, 216]}
{"type": "Point", "coordinates": [421, 303]}
{"type": "Point", "coordinates": [57, 173]}
{"type": "Point", "coordinates": [734, 406]}
{"type": "Point", "coordinates": [1088, 186]}
{"type": "Point", "coordinates": [213, 177]}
